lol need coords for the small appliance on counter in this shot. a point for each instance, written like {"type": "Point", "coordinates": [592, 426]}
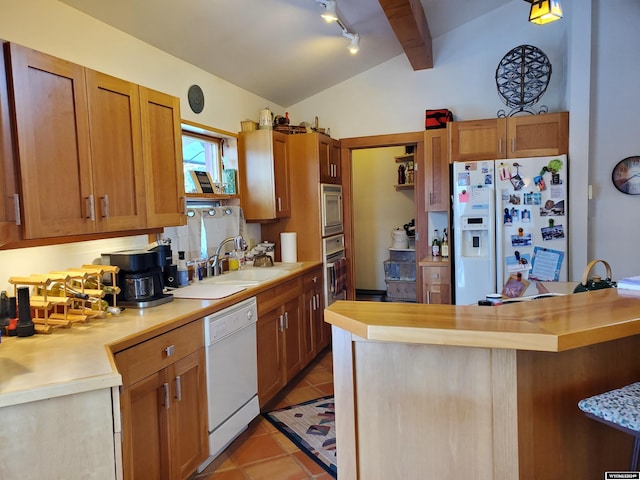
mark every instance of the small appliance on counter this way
{"type": "Point", "coordinates": [141, 278]}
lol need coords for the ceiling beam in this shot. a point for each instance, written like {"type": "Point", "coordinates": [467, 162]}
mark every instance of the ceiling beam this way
{"type": "Point", "coordinates": [409, 23]}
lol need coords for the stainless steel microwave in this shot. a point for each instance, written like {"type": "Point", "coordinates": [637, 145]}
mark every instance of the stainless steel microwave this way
{"type": "Point", "coordinates": [331, 209]}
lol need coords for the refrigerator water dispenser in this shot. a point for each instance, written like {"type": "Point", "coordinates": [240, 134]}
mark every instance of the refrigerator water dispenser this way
{"type": "Point", "coordinates": [475, 236]}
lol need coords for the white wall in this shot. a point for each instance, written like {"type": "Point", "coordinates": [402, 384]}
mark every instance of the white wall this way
{"type": "Point", "coordinates": [614, 218]}
{"type": "Point", "coordinates": [378, 209]}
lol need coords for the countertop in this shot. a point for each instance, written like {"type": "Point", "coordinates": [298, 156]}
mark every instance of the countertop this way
{"type": "Point", "coordinates": [550, 324]}
{"type": "Point", "coordinates": [80, 358]}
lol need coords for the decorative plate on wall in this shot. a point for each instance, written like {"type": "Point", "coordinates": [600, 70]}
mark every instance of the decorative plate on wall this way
{"type": "Point", "coordinates": [196, 98]}
{"type": "Point", "coordinates": [522, 77]}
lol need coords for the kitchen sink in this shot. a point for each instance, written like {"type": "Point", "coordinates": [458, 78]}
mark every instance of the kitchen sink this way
{"type": "Point", "coordinates": [247, 277]}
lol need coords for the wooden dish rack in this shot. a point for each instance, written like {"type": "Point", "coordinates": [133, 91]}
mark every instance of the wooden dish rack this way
{"type": "Point", "coordinates": [59, 299]}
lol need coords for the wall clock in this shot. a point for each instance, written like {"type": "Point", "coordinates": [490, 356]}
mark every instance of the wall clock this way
{"type": "Point", "coordinates": [626, 175]}
{"type": "Point", "coordinates": [196, 98]}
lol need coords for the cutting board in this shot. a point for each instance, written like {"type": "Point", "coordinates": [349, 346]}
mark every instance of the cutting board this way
{"type": "Point", "coordinates": [207, 292]}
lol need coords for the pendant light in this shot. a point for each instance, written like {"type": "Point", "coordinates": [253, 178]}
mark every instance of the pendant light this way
{"type": "Point", "coordinates": [545, 11]}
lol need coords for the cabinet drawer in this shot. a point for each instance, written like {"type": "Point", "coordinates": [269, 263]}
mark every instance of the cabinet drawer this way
{"type": "Point", "coordinates": [148, 357]}
{"type": "Point", "coordinates": [435, 275]}
{"type": "Point", "coordinates": [278, 295]}
{"type": "Point", "coordinates": [312, 279]}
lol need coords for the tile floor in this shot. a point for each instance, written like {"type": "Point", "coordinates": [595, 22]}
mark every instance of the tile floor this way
{"type": "Point", "coordinates": [262, 452]}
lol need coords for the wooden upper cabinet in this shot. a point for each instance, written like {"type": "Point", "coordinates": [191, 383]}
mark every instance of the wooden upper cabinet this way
{"type": "Point", "coordinates": [9, 213]}
{"type": "Point", "coordinates": [116, 153]}
{"type": "Point", "coordinates": [52, 127]}
{"type": "Point", "coordinates": [538, 135]}
{"type": "Point", "coordinates": [264, 175]}
{"type": "Point", "coordinates": [95, 154]}
{"type": "Point", "coordinates": [162, 150]}
{"type": "Point", "coordinates": [436, 171]}
{"type": "Point", "coordinates": [329, 159]}
{"type": "Point", "coordinates": [477, 140]}
{"type": "Point", "coordinates": [513, 137]}
{"type": "Point", "coordinates": [282, 181]}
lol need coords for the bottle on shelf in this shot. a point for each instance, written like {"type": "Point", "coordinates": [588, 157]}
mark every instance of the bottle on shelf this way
{"type": "Point", "coordinates": [435, 244]}
{"type": "Point", "coordinates": [444, 246]}
{"type": "Point", "coordinates": [401, 175]}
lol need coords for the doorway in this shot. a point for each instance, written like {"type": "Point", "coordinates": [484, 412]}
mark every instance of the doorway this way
{"type": "Point", "coordinates": [351, 146]}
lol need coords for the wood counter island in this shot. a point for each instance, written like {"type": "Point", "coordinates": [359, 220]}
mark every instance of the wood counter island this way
{"type": "Point", "coordinates": [442, 391]}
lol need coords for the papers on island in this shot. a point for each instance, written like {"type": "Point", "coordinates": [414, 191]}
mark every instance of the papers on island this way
{"type": "Point", "coordinates": [629, 283]}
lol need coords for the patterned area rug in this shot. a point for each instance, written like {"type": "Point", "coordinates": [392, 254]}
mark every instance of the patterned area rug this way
{"type": "Point", "coordinates": [311, 426]}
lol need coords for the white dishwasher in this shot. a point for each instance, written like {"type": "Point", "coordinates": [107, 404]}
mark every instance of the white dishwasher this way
{"type": "Point", "coordinates": [232, 377]}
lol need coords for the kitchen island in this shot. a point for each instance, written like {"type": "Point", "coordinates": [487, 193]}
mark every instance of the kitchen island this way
{"type": "Point", "coordinates": [442, 391]}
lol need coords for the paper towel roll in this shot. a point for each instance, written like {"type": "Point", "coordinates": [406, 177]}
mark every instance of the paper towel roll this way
{"type": "Point", "coordinates": [288, 247]}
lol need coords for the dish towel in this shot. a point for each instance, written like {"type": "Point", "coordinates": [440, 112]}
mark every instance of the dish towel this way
{"type": "Point", "coordinates": [186, 237]}
{"type": "Point", "coordinates": [220, 223]}
{"type": "Point", "coordinates": [339, 278]}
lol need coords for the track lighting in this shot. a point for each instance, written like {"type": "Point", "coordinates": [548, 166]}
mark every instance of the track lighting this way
{"type": "Point", "coordinates": [545, 11]}
{"type": "Point", "coordinates": [331, 15]}
{"type": "Point", "coordinates": [354, 46]}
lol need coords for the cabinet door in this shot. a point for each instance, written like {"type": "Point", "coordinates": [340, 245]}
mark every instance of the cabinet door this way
{"type": "Point", "coordinates": [477, 140]}
{"type": "Point", "coordinates": [436, 285]}
{"type": "Point", "coordinates": [263, 159]}
{"type": "Point", "coordinates": [189, 440]}
{"type": "Point", "coordinates": [9, 213]}
{"type": "Point", "coordinates": [322, 329]}
{"type": "Point", "coordinates": [311, 308]}
{"type": "Point", "coordinates": [329, 159]}
{"type": "Point", "coordinates": [162, 151]}
{"type": "Point", "coordinates": [538, 135]}
{"type": "Point", "coordinates": [270, 367]}
{"type": "Point", "coordinates": [281, 176]}
{"type": "Point", "coordinates": [436, 172]}
{"type": "Point", "coordinates": [145, 408]}
{"type": "Point", "coordinates": [52, 127]}
{"type": "Point", "coordinates": [293, 337]}
{"type": "Point", "coordinates": [116, 153]}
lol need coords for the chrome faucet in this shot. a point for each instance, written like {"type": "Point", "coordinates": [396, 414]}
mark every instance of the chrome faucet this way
{"type": "Point", "coordinates": [214, 264]}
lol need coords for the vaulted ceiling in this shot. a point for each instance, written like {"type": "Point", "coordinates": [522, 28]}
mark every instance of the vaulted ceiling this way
{"type": "Point", "coordinates": [281, 49]}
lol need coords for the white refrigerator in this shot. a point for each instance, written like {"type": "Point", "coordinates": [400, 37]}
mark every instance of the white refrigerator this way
{"type": "Point", "coordinates": [509, 226]}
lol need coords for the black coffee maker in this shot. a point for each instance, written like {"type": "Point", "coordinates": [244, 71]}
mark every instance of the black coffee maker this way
{"type": "Point", "coordinates": [141, 277]}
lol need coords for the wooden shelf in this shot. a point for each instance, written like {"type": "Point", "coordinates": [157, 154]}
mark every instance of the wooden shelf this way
{"type": "Point", "coordinates": [408, 157]}
{"type": "Point", "coordinates": [211, 196]}
{"type": "Point", "coordinates": [404, 186]}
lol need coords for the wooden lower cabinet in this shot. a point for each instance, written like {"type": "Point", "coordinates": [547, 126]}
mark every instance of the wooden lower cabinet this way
{"type": "Point", "coordinates": [436, 284]}
{"type": "Point", "coordinates": [291, 331]}
{"type": "Point", "coordinates": [316, 333]}
{"type": "Point", "coordinates": [164, 405]}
